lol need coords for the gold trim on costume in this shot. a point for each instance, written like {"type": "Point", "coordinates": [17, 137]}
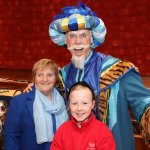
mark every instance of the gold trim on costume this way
{"type": "Point", "coordinates": [81, 22]}
{"type": "Point", "coordinates": [65, 24]}
{"type": "Point", "coordinates": [108, 77]}
{"type": "Point", "coordinates": [114, 72]}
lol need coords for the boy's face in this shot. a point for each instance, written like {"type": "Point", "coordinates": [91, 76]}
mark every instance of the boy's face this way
{"type": "Point", "coordinates": [81, 104]}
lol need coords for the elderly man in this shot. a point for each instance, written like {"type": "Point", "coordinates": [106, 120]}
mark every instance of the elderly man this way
{"type": "Point", "coordinates": [116, 83]}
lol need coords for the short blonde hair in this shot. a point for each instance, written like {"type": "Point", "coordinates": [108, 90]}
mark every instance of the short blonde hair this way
{"type": "Point", "coordinates": [45, 63]}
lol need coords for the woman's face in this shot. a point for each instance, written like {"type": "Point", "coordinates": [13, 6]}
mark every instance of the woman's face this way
{"type": "Point", "coordinates": [45, 80]}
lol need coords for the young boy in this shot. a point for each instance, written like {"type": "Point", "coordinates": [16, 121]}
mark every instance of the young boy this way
{"type": "Point", "coordinates": [83, 131]}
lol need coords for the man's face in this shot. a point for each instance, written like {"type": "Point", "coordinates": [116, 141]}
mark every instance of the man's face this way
{"type": "Point", "coordinates": [78, 42]}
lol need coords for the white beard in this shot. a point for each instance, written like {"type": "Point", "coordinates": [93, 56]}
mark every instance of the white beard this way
{"type": "Point", "coordinates": [78, 61]}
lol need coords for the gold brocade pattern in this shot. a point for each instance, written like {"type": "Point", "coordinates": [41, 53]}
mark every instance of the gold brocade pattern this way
{"type": "Point", "coordinates": [65, 24]}
{"type": "Point", "coordinates": [114, 72]}
{"type": "Point", "coordinates": [108, 77]}
{"type": "Point", "coordinates": [145, 126]}
{"type": "Point", "coordinates": [81, 22]}
{"type": "Point", "coordinates": [103, 104]}
{"type": "Point", "coordinates": [60, 85]}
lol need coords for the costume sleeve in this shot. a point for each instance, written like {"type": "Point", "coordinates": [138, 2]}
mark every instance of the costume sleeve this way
{"type": "Point", "coordinates": [145, 126]}
{"type": "Point", "coordinates": [107, 141]}
{"type": "Point", "coordinates": [12, 127]}
{"type": "Point", "coordinates": [138, 97]}
{"type": "Point", "coordinates": [57, 141]}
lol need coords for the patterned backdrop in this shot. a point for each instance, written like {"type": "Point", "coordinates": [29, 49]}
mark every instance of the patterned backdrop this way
{"type": "Point", "coordinates": [24, 35]}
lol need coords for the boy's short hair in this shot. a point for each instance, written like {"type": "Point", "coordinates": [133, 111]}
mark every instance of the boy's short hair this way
{"type": "Point", "coordinates": [81, 85]}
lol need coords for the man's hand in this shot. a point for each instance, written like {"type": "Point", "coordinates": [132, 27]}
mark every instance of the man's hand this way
{"type": "Point", "coordinates": [28, 88]}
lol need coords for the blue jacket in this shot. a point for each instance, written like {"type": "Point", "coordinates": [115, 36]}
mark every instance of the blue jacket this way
{"type": "Point", "coordinates": [19, 129]}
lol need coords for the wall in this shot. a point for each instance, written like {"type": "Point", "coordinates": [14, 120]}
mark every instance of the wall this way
{"type": "Point", "coordinates": [24, 31]}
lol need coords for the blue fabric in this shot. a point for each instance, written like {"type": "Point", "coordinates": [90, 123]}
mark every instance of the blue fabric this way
{"type": "Point", "coordinates": [54, 123]}
{"type": "Point", "coordinates": [57, 33]}
{"type": "Point", "coordinates": [113, 106]}
{"type": "Point", "coordinates": [73, 24]}
{"type": "Point", "coordinates": [43, 108]}
{"type": "Point", "coordinates": [91, 22]}
{"type": "Point", "coordinates": [69, 10]}
{"type": "Point", "coordinates": [90, 73]}
{"type": "Point", "coordinates": [138, 96]}
{"type": "Point", "coordinates": [20, 114]}
{"type": "Point", "coordinates": [128, 92]}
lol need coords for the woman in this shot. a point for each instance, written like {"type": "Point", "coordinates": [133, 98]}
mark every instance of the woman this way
{"type": "Point", "coordinates": [83, 131]}
{"type": "Point", "coordinates": [32, 118]}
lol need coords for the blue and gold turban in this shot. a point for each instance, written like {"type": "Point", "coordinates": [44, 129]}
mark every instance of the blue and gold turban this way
{"type": "Point", "coordinates": [74, 18]}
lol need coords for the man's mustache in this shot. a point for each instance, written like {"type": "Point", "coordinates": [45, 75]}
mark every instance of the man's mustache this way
{"type": "Point", "coordinates": [78, 47]}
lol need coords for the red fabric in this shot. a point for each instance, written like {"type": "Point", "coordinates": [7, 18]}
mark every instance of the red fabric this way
{"type": "Point", "coordinates": [93, 135]}
{"type": "Point", "coordinates": [24, 37]}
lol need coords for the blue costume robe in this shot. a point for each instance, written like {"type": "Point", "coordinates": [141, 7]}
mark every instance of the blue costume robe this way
{"type": "Point", "coordinates": [125, 90]}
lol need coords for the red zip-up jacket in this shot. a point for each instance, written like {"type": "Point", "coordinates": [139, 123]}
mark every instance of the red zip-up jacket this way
{"type": "Point", "coordinates": [93, 135]}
